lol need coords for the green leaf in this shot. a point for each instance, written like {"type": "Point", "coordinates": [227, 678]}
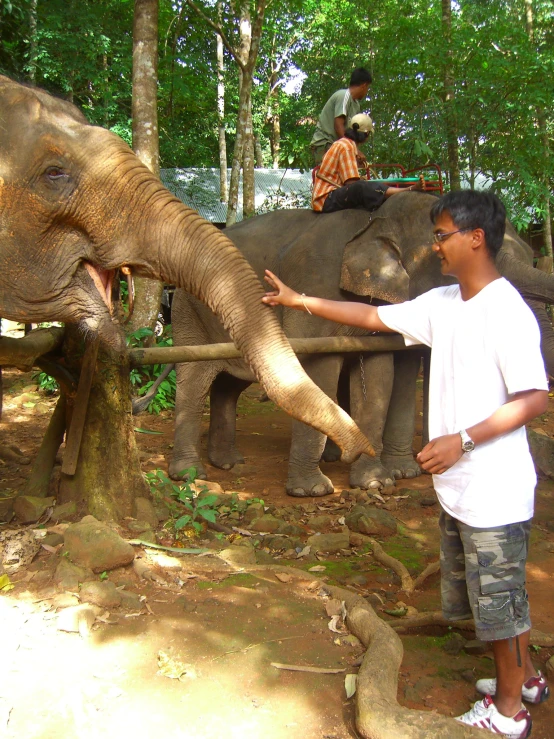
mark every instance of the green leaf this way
{"type": "Point", "coordinates": [147, 431]}
{"type": "Point", "coordinates": [180, 523]}
{"type": "Point", "coordinates": [209, 515]}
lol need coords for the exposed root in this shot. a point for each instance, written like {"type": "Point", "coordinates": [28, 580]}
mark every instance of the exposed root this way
{"type": "Point", "coordinates": [429, 570]}
{"type": "Point", "coordinates": [11, 453]}
{"type": "Point", "coordinates": [393, 564]}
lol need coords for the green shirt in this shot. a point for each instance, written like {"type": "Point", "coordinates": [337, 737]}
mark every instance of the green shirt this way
{"type": "Point", "coordinates": [340, 103]}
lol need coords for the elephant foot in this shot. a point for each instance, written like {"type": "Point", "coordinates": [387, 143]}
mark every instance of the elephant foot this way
{"type": "Point", "coordinates": [369, 474]}
{"type": "Point", "coordinates": [332, 452]}
{"type": "Point", "coordinates": [401, 466]}
{"type": "Point", "coordinates": [179, 469]}
{"type": "Point", "coordinates": [315, 485]}
{"type": "Point", "coordinates": [225, 459]}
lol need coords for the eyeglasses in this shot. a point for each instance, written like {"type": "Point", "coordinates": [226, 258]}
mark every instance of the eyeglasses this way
{"type": "Point", "coordinates": [440, 238]}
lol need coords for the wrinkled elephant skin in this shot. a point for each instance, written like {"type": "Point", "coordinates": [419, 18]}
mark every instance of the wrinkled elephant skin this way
{"type": "Point", "coordinates": [76, 204]}
{"type": "Point", "coordinates": [384, 256]}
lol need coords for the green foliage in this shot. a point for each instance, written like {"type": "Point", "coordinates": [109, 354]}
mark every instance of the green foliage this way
{"type": "Point", "coordinates": [144, 377]}
{"type": "Point", "coordinates": [188, 505]}
{"type": "Point", "coordinates": [46, 383]}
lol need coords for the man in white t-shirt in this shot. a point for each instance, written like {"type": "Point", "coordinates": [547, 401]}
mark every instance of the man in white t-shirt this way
{"type": "Point", "coordinates": [487, 381]}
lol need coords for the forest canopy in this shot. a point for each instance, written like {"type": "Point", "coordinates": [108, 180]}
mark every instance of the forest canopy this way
{"type": "Point", "coordinates": [466, 84]}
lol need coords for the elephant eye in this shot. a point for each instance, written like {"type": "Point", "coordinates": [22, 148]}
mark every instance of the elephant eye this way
{"type": "Point", "coordinates": [55, 173]}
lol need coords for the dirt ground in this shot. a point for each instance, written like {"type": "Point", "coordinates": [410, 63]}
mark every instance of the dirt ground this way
{"type": "Point", "coordinates": [224, 628]}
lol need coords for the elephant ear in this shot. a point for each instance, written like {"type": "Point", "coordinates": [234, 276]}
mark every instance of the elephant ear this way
{"type": "Point", "coordinates": [372, 265]}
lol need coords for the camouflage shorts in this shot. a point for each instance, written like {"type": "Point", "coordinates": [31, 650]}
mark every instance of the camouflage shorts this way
{"type": "Point", "coordinates": [483, 575]}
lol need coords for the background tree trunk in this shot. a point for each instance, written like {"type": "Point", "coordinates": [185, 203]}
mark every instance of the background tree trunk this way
{"type": "Point", "coordinates": [33, 41]}
{"type": "Point", "coordinates": [450, 114]}
{"type": "Point", "coordinates": [223, 189]}
{"type": "Point", "coordinates": [148, 293]}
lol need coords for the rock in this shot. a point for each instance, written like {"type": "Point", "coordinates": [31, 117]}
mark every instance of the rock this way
{"type": "Point", "coordinates": [549, 669]}
{"type": "Point", "coordinates": [239, 555]}
{"type": "Point", "coordinates": [69, 576]}
{"type": "Point", "coordinates": [65, 600]}
{"type": "Point", "coordinates": [64, 511]}
{"type": "Point", "coordinates": [391, 505]}
{"type": "Point", "coordinates": [329, 542]}
{"type": "Point", "coordinates": [454, 645]}
{"type": "Point", "coordinates": [279, 543]}
{"type": "Point", "coordinates": [6, 506]}
{"type": "Point", "coordinates": [367, 526]}
{"type": "Point", "coordinates": [476, 646]}
{"type": "Point", "coordinates": [92, 544]}
{"type": "Point", "coordinates": [375, 600]}
{"type": "Point", "coordinates": [144, 510]}
{"type": "Point", "coordinates": [264, 558]}
{"type": "Point", "coordinates": [28, 508]}
{"type": "Point", "coordinates": [351, 641]}
{"type": "Point", "coordinates": [137, 527]}
{"type": "Point", "coordinates": [428, 502]}
{"type": "Point", "coordinates": [130, 601]}
{"type": "Point", "coordinates": [18, 548]}
{"type": "Point", "coordinates": [542, 451]}
{"type": "Point", "coordinates": [290, 529]}
{"type": "Point", "coordinates": [254, 510]}
{"type": "Point", "coordinates": [319, 523]}
{"type": "Point", "coordinates": [266, 523]}
{"type": "Point", "coordinates": [377, 522]}
{"type": "Point", "coordinates": [205, 487]}
{"type": "Point", "coordinates": [103, 594]}
{"type": "Point", "coordinates": [148, 536]}
{"type": "Point", "coordinates": [468, 676]}
{"type": "Point", "coordinates": [52, 540]}
{"type": "Point", "coordinates": [78, 618]}
{"type": "Point", "coordinates": [162, 511]}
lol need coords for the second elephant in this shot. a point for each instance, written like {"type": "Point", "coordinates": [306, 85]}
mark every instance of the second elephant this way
{"type": "Point", "coordinates": [347, 255]}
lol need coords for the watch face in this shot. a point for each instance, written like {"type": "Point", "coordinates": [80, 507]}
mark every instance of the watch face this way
{"type": "Point", "coordinates": [468, 446]}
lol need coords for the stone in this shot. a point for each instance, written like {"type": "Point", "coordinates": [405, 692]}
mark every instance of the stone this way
{"type": "Point", "coordinates": [137, 527]}
{"type": "Point", "coordinates": [454, 645]}
{"type": "Point", "coordinates": [264, 558]}
{"type": "Point", "coordinates": [78, 618]}
{"type": "Point", "coordinates": [99, 593]}
{"type": "Point", "coordinates": [149, 536]}
{"type": "Point", "coordinates": [93, 544]}
{"type": "Point", "coordinates": [468, 676]}
{"type": "Point", "coordinates": [64, 511]}
{"type": "Point", "coordinates": [367, 526]}
{"type": "Point", "coordinates": [549, 669]}
{"type": "Point", "coordinates": [319, 523]}
{"type": "Point", "coordinates": [69, 576]}
{"type": "Point", "coordinates": [254, 510]}
{"type": "Point", "coordinates": [542, 451]}
{"type": "Point", "coordinates": [329, 542]}
{"type": "Point", "coordinates": [29, 508]}
{"type": "Point", "coordinates": [130, 601]}
{"type": "Point", "coordinates": [291, 529]}
{"type": "Point", "coordinates": [64, 600]}
{"type": "Point", "coordinates": [476, 646]}
{"type": "Point", "coordinates": [52, 540]}
{"type": "Point", "coordinates": [205, 487]}
{"type": "Point", "coordinates": [239, 555]}
{"type": "Point", "coordinates": [6, 506]}
{"type": "Point", "coordinates": [375, 600]}
{"type": "Point", "coordinates": [143, 510]}
{"type": "Point", "coordinates": [377, 522]}
{"type": "Point", "coordinates": [428, 502]}
{"type": "Point", "coordinates": [266, 523]}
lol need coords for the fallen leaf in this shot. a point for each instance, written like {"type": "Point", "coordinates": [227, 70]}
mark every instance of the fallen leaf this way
{"type": "Point", "coordinates": [242, 532]}
{"type": "Point", "coordinates": [307, 668]}
{"type": "Point", "coordinates": [342, 520]}
{"type": "Point", "coordinates": [304, 552]}
{"type": "Point", "coordinates": [350, 683]}
{"type": "Point", "coordinates": [283, 577]}
{"type": "Point", "coordinates": [398, 612]}
{"type": "Point", "coordinates": [333, 625]}
{"type": "Point", "coordinates": [379, 497]}
{"type": "Point", "coordinates": [6, 583]}
{"type": "Point", "coordinates": [317, 568]}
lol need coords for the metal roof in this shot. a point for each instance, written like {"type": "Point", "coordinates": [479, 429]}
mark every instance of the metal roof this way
{"type": "Point", "coordinates": [274, 188]}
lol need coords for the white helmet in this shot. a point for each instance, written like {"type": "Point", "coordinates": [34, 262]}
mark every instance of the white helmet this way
{"type": "Point", "coordinates": [362, 122]}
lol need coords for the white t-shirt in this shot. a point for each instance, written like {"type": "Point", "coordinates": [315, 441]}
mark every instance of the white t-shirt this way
{"type": "Point", "coordinates": [484, 350]}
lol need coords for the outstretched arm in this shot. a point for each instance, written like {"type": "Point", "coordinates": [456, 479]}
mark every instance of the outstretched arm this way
{"type": "Point", "coordinates": [441, 453]}
{"type": "Point", "coordinates": [351, 314]}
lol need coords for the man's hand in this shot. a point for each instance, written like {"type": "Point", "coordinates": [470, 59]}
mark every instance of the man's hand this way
{"type": "Point", "coordinates": [440, 454]}
{"type": "Point", "coordinates": [361, 158]}
{"type": "Point", "coordinates": [281, 294]}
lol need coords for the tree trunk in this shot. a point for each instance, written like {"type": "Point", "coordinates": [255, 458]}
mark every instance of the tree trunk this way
{"type": "Point", "coordinates": [223, 190]}
{"type": "Point", "coordinates": [258, 153]}
{"type": "Point", "coordinates": [108, 476]}
{"type": "Point", "coordinates": [248, 184]}
{"type": "Point", "coordinates": [33, 42]}
{"type": "Point", "coordinates": [449, 111]}
{"type": "Point", "coordinates": [148, 293]}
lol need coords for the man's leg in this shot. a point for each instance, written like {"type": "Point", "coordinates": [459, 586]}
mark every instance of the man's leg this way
{"type": "Point", "coordinates": [510, 675]}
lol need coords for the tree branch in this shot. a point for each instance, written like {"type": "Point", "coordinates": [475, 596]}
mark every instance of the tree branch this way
{"type": "Point", "coordinates": [217, 28]}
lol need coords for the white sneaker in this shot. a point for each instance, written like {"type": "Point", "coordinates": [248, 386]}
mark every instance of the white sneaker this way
{"type": "Point", "coordinates": [535, 690]}
{"type": "Point", "coordinates": [485, 715]}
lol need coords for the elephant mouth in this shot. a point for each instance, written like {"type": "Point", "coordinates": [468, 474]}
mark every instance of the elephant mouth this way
{"type": "Point", "coordinates": [103, 281]}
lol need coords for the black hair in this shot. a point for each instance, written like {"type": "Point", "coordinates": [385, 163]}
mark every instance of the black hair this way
{"type": "Point", "coordinates": [353, 133]}
{"type": "Point", "coordinates": [471, 209]}
{"type": "Point", "coordinates": [360, 76]}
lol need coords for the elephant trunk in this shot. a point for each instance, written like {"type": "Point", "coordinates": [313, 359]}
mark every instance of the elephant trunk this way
{"type": "Point", "coordinates": [532, 283]}
{"type": "Point", "coordinates": [179, 247]}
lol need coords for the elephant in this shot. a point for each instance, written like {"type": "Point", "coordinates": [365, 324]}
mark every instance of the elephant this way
{"type": "Point", "coordinates": [384, 256]}
{"type": "Point", "coordinates": [76, 204]}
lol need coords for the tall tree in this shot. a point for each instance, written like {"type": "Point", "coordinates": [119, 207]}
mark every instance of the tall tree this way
{"type": "Point", "coordinates": [449, 109]}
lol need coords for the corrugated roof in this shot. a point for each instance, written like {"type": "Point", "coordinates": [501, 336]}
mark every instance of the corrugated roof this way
{"type": "Point", "coordinates": [199, 189]}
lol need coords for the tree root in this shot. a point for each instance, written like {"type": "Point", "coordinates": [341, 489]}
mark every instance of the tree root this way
{"type": "Point", "coordinates": [429, 570]}
{"type": "Point", "coordinates": [393, 564]}
{"type": "Point", "coordinates": [39, 480]}
{"type": "Point", "coordinates": [11, 453]}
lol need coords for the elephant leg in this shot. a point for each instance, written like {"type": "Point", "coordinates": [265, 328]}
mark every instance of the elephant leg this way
{"type": "Point", "coordinates": [224, 394]}
{"type": "Point", "coordinates": [369, 401]}
{"type": "Point", "coordinates": [304, 476]}
{"type": "Point", "coordinates": [194, 380]}
{"type": "Point", "coordinates": [398, 438]}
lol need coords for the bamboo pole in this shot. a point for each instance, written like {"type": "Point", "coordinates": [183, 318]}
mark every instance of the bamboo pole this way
{"type": "Point", "coordinates": [321, 345]}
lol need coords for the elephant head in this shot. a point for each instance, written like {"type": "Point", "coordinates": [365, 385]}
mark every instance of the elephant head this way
{"type": "Point", "coordinates": [391, 259]}
{"type": "Point", "coordinates": [76, 204]}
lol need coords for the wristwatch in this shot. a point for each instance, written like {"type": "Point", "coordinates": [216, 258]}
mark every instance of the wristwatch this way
{"type": "Point", "coordinates": [468, 445]}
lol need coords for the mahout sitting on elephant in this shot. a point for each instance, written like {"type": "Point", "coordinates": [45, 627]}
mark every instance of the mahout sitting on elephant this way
{"type": "Point", "coordinates": [76, 204]}
{"type": "Point", "coordinates": [343, 255]}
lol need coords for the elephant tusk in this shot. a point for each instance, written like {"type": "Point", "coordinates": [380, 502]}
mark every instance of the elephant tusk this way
{"type": "Point", "coordinates": [126, 271]}
{"type": "Point", "coordinates": [103, 282]}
